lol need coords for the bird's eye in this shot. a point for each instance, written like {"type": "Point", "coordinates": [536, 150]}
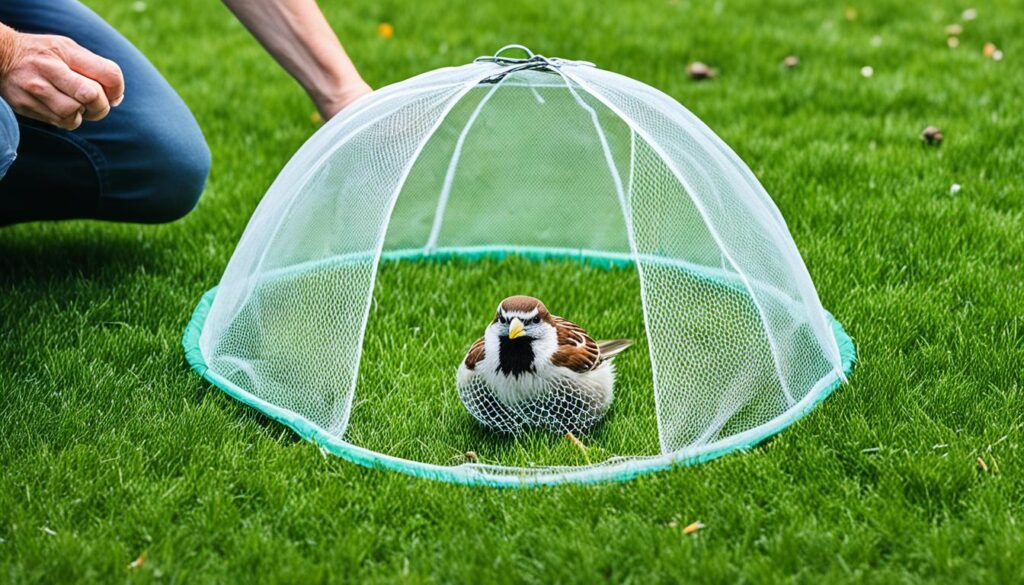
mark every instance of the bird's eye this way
{"type": "Point", "coordinates": [535, 320]}
{"type": "Point", "coordinates": [502, 320]}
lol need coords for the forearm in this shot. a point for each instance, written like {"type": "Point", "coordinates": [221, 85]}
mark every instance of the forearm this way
{"type": "Point", "coordinates": [298, 36]}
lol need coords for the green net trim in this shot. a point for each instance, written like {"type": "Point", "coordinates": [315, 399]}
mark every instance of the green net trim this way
{"type": "Point", "coordinates": [614, 469]}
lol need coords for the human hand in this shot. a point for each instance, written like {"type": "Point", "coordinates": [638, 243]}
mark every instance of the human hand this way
{"type": "Point", "coordinates": [332, 103]}
{"type": "Point", "coordinates": [53, 79]}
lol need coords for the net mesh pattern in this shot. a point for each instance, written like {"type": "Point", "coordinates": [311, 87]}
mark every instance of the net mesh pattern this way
{"type": "Point", "coordinates": [563, 406]}
{"type": "Point", "coordinates": [568, 158]}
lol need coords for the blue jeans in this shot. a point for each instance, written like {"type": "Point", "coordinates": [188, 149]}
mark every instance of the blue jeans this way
{"type": "Point", "coordinates": [145, 162]}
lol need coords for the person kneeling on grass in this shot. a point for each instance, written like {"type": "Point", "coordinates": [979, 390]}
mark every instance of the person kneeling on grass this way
{"type": "Point", "coordinates": [75, 144]}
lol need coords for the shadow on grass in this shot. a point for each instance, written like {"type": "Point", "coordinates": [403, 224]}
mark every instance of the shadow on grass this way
{"type": "Point", "coordinates": [237, 410]}
{"type": "Point", "coordinates": [46, 257]}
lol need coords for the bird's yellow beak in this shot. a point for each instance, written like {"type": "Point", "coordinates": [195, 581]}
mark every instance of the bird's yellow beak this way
{"type": "Point", "coordinates": [515, 329]}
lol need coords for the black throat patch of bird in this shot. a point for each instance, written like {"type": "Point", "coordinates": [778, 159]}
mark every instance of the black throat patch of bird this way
{"type": "Point", "coordinates": [515, 356]}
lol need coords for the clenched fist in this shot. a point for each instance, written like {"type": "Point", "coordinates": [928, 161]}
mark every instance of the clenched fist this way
{"type": "Point", "coordinates": [52, 79]}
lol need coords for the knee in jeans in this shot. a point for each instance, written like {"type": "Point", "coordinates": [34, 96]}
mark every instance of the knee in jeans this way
{"type": "Point", "coordinates": [181, 164]}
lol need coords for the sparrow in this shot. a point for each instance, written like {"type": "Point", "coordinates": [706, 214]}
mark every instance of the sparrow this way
{"type": "Point", "coordinates": [532, 369]}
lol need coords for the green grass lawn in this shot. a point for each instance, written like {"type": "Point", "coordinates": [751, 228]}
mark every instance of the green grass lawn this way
{"type": "Point", "coordinates": [110, 447]}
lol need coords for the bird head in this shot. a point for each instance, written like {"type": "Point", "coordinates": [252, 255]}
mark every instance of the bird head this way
{"type": "Point", "coordinates": [522, 335]}
{"type": "Point", "coordinates": [522, 318]}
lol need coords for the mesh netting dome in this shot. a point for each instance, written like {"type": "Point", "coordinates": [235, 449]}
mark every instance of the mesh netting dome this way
{"type": "Point", "coordinates": [548, 160]}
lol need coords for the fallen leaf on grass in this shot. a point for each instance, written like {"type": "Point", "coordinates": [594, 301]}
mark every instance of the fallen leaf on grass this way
{"type": "Point", "coordinates": [138, 561]}
{"type": "Point", "coordinates": [932, 135]}
{"type": "Point", "coordinates": [699, 71]}
{"type": "Point", "coordinates": [991, 51]}
{"type": "Point", "coordinates": [693, 527]}
{"type": "Point", "coordinates": [982, 465]}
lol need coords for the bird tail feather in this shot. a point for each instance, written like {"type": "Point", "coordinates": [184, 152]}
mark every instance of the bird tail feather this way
{"type": "Point", "coordinates": [612, 348]}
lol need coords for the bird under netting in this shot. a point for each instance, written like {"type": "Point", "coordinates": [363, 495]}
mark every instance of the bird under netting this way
{"type": "Point", "coordinates": [535, 369]}
{"type": "Point", "coordinates": [544, 159]}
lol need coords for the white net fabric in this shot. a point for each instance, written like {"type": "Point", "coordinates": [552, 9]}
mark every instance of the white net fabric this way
{"type": "Point", "coordinates": [563, 407]}
{"type": "Point", "coordinates": [784, 345]}
{"type": "Point", "coordinates": [558, 158]}
{"type": "Point", "coordinates": [292, 336]}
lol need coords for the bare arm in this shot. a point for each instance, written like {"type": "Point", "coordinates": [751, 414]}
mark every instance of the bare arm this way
{"type": "Point", "coordinates": [296, 33]}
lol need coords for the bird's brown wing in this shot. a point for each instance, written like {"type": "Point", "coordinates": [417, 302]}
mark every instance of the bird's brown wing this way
{"type": "Point", "coordinates": [576, 350]}
{"type": "Point", "coordinates": [475, 355]}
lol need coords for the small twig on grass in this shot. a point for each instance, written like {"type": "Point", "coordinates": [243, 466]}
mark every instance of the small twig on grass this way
{"type": "Point", "coordinates": [579, 445]}
{"type": "Point", "coordinates": [982, 465]}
